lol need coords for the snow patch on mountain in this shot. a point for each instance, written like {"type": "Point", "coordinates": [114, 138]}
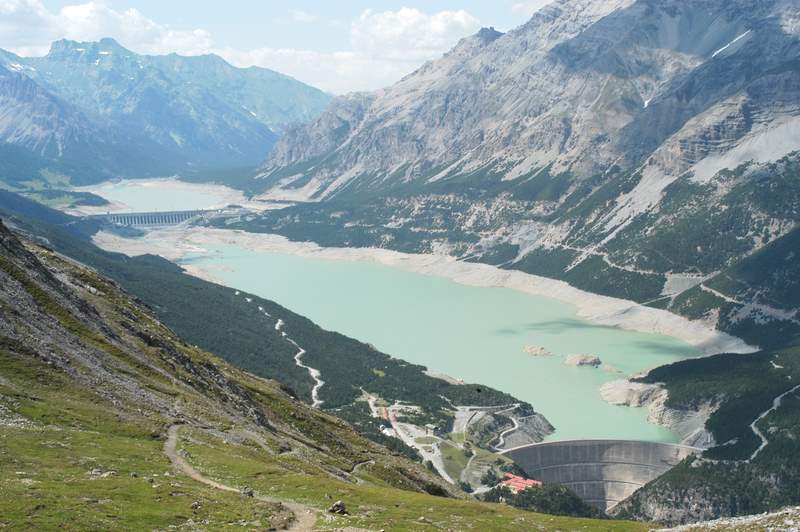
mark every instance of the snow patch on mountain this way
{"type": "Point", "coordinates": [737, 39]}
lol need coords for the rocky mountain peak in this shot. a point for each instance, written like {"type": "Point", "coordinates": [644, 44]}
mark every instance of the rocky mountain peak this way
{"type": "Point", "coordinates": [61, 46]}
{"type": "Point", "coordinates": [487, 35]}
{"type": "Point", "coordinates": [110, 42]}
{"type": "Point", "coordinates": [473, 43]}
{"type": "Point", "coordinates": [68, 50]}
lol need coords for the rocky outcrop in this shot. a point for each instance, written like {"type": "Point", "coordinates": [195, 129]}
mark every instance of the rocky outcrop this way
{"type": "Point", "coordinates": [582, 360]}
{"type": "Point", "coordinates": [529, 429]}
{"type": "Point", "coordinates": [689, 425]}
{"type": "Point", "coordinates": [787, 519]}
{"type": "Point", "coordinates": [338, 508]}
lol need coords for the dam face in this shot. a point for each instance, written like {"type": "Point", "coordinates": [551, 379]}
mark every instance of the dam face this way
{"type": "Point", "coordinates": [601, 472]}
{"type": "Point", "coordinates": [150, 219]}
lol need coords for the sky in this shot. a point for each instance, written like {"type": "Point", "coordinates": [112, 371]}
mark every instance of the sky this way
{"type": "Point", "coordinates": [338, 46]}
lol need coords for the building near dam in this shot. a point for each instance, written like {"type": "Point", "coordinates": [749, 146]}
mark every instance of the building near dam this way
{"type": "Point", "coordinates": [601, 472]}
{"type": "Point", "coordinates": [516, 483]}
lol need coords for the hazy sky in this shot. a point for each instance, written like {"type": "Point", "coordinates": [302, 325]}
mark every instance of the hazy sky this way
{"type": "Point", "coordinates": [339, 46]}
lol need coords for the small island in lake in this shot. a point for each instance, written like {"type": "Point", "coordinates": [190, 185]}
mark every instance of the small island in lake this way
{"type": "Point", "coordinates": [536, 351]}
{"type": "Point", "coordinates": [583, 360]}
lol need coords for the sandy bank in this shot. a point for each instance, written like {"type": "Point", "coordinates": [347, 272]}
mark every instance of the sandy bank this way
{"type": "Point", "coordinates": [176, 243]}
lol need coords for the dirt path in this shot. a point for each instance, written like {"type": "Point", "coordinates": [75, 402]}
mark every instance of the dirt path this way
{"type": "Point", "coordinates": [352, 473]}
{"type": "Point", "coordinates": [304, 516]}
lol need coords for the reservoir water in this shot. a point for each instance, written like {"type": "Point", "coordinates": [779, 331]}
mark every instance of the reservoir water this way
{"type": "Point", "coordinates": [167, 194]}
{"type": "Point", "coordinates": [473, 333]}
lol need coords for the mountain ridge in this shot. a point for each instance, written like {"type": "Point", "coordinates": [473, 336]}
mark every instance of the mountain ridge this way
{"type": "Point", "coordinates": [565, 36]}
{"type": "Point", "coordinates": [151, 115]}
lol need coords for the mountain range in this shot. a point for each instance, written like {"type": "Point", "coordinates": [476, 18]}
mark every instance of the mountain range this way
{"type": "Point", "coordinates": [94, 110]}
{"type": "Point", "coordinates": [636, 148]}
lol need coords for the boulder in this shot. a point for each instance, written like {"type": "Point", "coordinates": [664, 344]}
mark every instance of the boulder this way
{"type": "Point", "coordinates": [338, 508]}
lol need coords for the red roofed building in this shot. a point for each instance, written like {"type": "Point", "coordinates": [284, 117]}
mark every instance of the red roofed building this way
{"type": "Point", "coordinates": [517, 484]}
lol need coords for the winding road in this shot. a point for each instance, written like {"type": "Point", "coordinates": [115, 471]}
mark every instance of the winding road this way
{"type": "Point", "coordinates": [316, 402]}
{"type": "Point", "coordinates": [313, 372]}
{"type": "Point", "coordinates": [776, 403]}
{"type": "Point", "coordinates": [305, 517]}
{"type": "Point", "coordinates": [501, 440]}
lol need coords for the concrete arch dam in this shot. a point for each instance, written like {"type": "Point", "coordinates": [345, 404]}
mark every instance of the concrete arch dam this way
{"type": "Point", "coordinates": [601, 472]}
{"type": "Point", "coordinates": [151, 219]}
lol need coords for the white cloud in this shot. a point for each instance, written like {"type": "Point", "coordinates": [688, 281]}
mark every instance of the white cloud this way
{"type": "Point", "coordinates": [336, 72]}
{"type": "Point", "coordinates": [529, 7]}
{"type": "Point", "coordinates": [27, 28]}
{"type": "Point", "coordinates": [409, 34]}
{"type": "Point", "coordinates": [95, 20]}
{"type": "Point", "coordinates": [384, 45]}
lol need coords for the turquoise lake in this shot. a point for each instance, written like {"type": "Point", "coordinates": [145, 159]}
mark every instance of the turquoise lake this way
{"type": "Point", "coordinates": [472, 333]}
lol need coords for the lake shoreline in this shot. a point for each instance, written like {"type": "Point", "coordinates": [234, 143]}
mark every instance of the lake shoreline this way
{"type": "Point", "coordinates": [177, 243]}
